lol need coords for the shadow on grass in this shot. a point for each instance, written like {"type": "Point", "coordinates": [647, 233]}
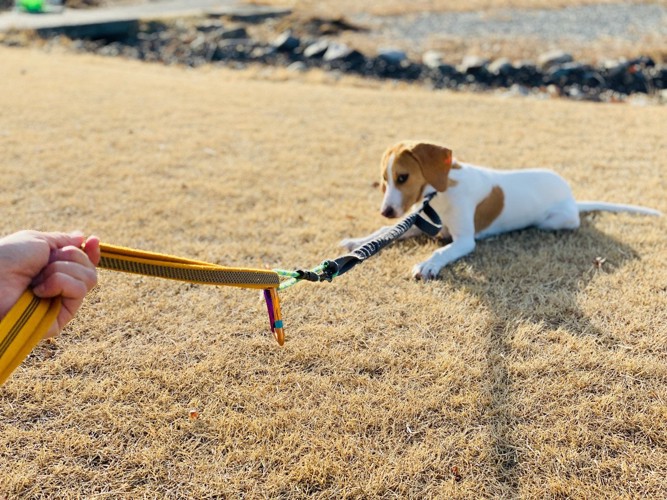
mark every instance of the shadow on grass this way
{"type": "Point", "coordinates": [532, 276]}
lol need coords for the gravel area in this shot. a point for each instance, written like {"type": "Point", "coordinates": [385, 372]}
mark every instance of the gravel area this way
{"type": "Point", "coordinates": [625, 21]}
{"type": "Point", "coordinates": [540, 51]}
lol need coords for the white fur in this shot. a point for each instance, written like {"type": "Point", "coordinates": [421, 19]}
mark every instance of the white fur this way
{"type": "Point", "coordinates": [533, 197]}
{"type": "Point", "coordinates": [392, 197]}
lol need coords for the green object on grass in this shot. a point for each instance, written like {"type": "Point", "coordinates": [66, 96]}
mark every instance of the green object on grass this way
{"type": "Point", "coordinates": [32, 5]}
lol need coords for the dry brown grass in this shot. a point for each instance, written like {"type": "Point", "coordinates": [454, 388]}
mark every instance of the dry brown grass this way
{"type": "Point", "coordinates": [524, 371]}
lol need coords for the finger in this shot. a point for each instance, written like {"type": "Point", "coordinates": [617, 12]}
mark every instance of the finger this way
{"type": "Point", "coordinates": [92, 249]}
{"type": "Point", "coordinates": [67, 312]}
{"type": "Point", "coordinates": [86, 272]}
{"type": "Point", "coordinates": [53, 331]}
{"type": "Point", "coordinates": [71, 254]}
{"type": "Point", "coordinates": [59, 240]}
{"type": "Point", "coordinates": [69, 285]}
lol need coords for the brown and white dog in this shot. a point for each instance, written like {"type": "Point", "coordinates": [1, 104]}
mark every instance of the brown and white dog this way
{"type": "Point", "coordinates": [474, 202]}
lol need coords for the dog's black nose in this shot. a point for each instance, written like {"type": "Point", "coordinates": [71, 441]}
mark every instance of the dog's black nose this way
{"type": "Point", "coordinates": [389, 213]}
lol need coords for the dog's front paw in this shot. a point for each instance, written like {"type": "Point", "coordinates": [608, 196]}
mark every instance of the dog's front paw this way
{"type": "Point", "coordinates": [426, 271]}
{"type": "Point", "coordinates": [351, 244]}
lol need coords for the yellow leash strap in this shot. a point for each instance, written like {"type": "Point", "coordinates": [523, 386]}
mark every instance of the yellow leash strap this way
{"type": "Point", "coordinates": [193, 271]}
{"type": "Point", "coordinates": [24, 326]}
{"type": "Point", "coordinates": [31, 317]}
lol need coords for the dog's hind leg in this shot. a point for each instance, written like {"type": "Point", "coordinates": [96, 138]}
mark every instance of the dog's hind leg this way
{"type": "Point", "coordinates": [563, 216]}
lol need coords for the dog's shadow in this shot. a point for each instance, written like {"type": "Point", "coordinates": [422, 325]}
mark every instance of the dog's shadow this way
{"type": "Point", "coordinates": [537, 275]}
{"type": "Point", "coordinates": [532, 276]}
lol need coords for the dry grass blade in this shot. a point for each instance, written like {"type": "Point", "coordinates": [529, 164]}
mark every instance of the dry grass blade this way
{"type": "Point", "coordinates": [522, 372]}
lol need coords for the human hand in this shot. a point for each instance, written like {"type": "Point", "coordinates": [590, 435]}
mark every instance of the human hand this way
{"type": "Point", "coordinates": [53, 264]}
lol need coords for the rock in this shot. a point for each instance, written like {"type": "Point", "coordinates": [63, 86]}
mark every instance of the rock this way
{"type": "Point", "coordinates": [209, 26]}
{"type": "Point", "coordinates": [518, 90]}
{"type": "Point", "coordinates": [252, 14]}
{"type": "Point", "coordinates": [660, 78]}
{"type": "Point", "coordinates": [317, 49]}
{"type": "Point", "coordinates": [340, 56]}
{"type": "Point", "coordinates": [593, 79]}
{"type": "Point", "coordinates": [447, 69]}
{"type": "Point", "coordinates": [113, 49]}
{"type": "Point", "coordinates": [337, 51]}
{"type": "Point", "coordinates": [198, 43]}
{"type": "Point", "coordinates": [472, 64]}
{"type": "Point", "coordinates": [286, 42]}
{"type": "Point", "coordinates": [500, 67]}
{"type": "Point", "coordinates": [432, 59]}
{"type": "Point", "coordinates": [611, 64]}
{"type": "Point", "coordinates": [297, 67]}
{"type": "Point", "coordinates": [263, 53]}
{"type": "Point", "coordinates": [636, 81]}
{"type": "Point", "coordinates": [392, 56]}
{"type": "Point", "coordinates": [233, 34]}
{"type": "Point", "coordinates": [233, 50]}
{"type": "Point", "coordinates": [643, 61]}
{"type": "Point", "coordinates": [563, 74]}
{"type": "Point", "coordinates": [439, 72]}
{"type": "Point", "coordinates": [574, 92]}
{"type": "Point", "coordinates": [553, 58]}
{"type": "Point", "coordinates": [381, 68]}
{"type": "Point", "coordinates": [527, 74]}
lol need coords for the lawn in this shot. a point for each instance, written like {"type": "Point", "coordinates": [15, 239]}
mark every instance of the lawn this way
{"type": "Point", "coordinates": [526, 370]}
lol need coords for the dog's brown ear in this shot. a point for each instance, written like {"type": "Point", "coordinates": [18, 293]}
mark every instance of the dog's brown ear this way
{"type": "Point", "coordinates": [435, 162]}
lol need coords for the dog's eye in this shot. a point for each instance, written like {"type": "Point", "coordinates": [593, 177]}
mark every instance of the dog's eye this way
{"type": "Point", "coordinates": [402, 179]}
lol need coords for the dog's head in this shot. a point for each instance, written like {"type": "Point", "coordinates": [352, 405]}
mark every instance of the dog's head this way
{"type": "Point", "coordinates": [408, 170]}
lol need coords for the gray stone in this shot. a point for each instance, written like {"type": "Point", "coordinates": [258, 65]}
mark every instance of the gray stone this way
{"type": "Point", "coordinates": [209, 26]}
{"type": "Point", "coordinates": [446, 69]}
{"type": "Point", "coordinates": [297, 67]}
{"type": "Point", "coordinates": [472, 63]}
{"type": "Point", "coordinates": [337, 51]}
{"type": "Point", "coordinates": [262, 52]}
{"type": "Point", "coordinates": [248, 13]}
{"type": "Point", "coordinates": [519, 90]}
{"type": "Point", "coordinates": [566, 70]}
{"type": "Point", "coordinates": [234, 33]}
{"type": "Point", "coordinates": [614, 64]}
{"type": "Point", "coordinates": [198, 43]}
{"type": "Point", "coordinates": [501, 66]}
{"type": "Point", "coordinates": [392, 56]}
{"type": "Point", "coordinates": [432, 59]}
{"type": "Point", "coordinates": [317, 49]}
{"type": "Point", "coordinates": [286, 42]}
{"type": "Point", "coordinates": [553, 58]}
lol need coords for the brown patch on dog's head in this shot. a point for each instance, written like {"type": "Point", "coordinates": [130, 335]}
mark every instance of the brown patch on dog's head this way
{"type": "Point", "coordinates": [435, 162]}
{"type": "Point", "coordinates": [489, 209]}
{"type": "Point", "coordinates": [413, 166]}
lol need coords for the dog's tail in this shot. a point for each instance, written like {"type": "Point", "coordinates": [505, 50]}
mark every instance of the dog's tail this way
{"type": "Point", "coordinates": [592, 206]}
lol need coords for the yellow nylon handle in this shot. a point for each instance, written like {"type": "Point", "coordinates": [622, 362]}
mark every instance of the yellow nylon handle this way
{"type": "Point", "coordinates": [31, 317]}
{"type": "Point", "coordinates": [22, 328]}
